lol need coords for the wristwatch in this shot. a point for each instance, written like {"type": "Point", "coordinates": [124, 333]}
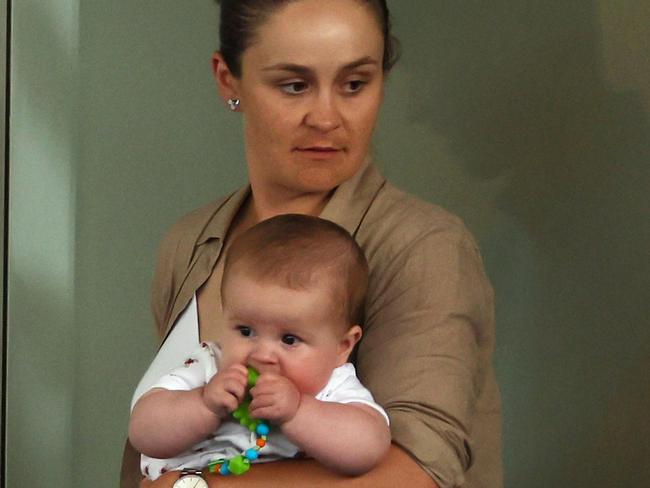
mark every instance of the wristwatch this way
{"type": "Point", "coordinates": [190, 478]}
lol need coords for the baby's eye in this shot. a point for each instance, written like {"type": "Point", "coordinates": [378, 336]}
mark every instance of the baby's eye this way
{"type": "Point", "coordinates": [290, 340]}
{"type": "Point", "coordinates": [294, 88]}
{"type": "Point", "coordinates": [245, 330]}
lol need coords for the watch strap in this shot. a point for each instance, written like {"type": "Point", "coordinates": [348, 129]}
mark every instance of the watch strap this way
{"type": "Point", "coordinates": [187, 471]}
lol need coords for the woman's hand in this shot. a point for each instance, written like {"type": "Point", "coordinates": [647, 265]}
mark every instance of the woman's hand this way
{"type": "Point", "coordinates": [275, 398]}
{"type": "Point", "coordinates": [226, 390]}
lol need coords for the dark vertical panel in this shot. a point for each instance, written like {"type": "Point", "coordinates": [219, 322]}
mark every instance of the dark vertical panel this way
{"type": "Point", "coordinates": [4, 148]}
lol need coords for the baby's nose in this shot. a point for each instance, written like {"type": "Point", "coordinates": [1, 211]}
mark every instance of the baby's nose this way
{"type": "Point", "coordinates": [264, 358]}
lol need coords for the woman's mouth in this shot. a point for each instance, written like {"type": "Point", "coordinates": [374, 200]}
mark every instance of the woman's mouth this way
{"type": "Point", "coordinates": [318, 152]}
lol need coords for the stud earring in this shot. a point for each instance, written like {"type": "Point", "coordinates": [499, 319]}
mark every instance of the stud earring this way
{"type": "Point", "coordinates": [233, 104]}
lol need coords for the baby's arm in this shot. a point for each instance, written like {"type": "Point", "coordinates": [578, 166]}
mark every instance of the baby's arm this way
{"type": "Point", "coordinates": [164, 423]}
{"type": "Point", "coordinates": [347, 438]}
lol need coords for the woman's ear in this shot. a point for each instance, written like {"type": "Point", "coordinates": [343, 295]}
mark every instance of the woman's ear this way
{"type": "Point", "coordinates": [348, 341]}
{"type": "Point", "coordinates": [227, 83]}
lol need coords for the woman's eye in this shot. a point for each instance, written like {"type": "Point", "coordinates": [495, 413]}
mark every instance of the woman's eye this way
{"type": "Point", "coordinates": [295, 88]}
{"type": "Point", "coordinates": [354, 86]}
{"type": "Point", "coordinates": [244, 330]}
{"type": "Point", "coordinates": [290, 340]}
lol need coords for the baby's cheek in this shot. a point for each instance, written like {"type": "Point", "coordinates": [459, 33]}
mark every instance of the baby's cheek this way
{"type": "Point", "coordinates": [310, 381]}
{"type": "Point", "coordinates": [235, 349]}
{"type": "Point", "coordinates": [228, 359]}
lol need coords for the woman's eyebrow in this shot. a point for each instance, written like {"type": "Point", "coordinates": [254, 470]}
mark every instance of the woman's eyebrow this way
{"type": "Point", "coordinates": [361, 62]}
{"type": "Point", "coordinates": [305, 70]}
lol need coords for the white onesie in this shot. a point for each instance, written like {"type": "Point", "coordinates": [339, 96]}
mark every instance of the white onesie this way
{"type": "Point", "coordinates": [232, 439]}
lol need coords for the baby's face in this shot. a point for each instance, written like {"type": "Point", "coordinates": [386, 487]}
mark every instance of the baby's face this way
{"type": "Point", "coordinates": [296, 333]}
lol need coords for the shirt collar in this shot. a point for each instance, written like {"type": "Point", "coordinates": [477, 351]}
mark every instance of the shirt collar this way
{"type": "Point", "coordinates": [352, 198]}
{"type": "Point", "coordinates": [346, 208]}
{"type": "Point", "coordinates": [219, 223]}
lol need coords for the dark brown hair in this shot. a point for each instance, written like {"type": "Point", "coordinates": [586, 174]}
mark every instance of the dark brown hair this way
{"type": "Point", "coordinates": [302, 252]}
{"type": "Point", "coordinates": [240, 19]}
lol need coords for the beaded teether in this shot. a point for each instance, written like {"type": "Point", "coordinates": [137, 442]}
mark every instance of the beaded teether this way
{"type": "Point", "coordinates": [241, 463]}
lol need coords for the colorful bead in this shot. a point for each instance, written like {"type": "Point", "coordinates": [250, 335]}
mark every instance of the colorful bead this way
{"type": "Point", "coordinates": [225, 469]}
{"type": "Point", "coordinates": [251, 454]}
{"type": "Point", "coordinates": [261, 442]}
{"type": "Point", "coordinates": [262, 429]}
{"type": "Point", "coordinates": [239, 465]}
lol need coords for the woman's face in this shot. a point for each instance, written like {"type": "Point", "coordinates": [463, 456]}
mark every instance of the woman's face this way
{"type": "Point", "coordinates": [310, 91]}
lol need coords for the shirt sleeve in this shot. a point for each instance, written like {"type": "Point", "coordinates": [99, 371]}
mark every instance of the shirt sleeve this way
{"type": "Point", "coordinates": [345, 387]}
{"type": "Point", "coordinates": [428, 332]}
{"type": "Point", "coordinates": [195, 372]}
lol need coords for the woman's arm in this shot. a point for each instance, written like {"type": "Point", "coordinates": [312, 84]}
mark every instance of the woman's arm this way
{"type": "Point", "coordinates": [427, 344]}
{"type": "Point", "coordinates": [397, 469]}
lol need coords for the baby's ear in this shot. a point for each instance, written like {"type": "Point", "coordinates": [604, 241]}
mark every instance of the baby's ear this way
{"type": "Point", "coordinates": [348, 341]}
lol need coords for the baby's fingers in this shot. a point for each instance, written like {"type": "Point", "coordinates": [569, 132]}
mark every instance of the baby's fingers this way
{"type": "Point", "coordinates": [236, 372]}
{"type": "Point", "coordinates": [269, 386]}
{"type": "Point", "coordinates": [261, 401]}
{"type": "Point", "coordinates": [266, 413]}
{"type": "Point", "coordinates": [230, 402]}
{"type": "Point", "coordinates": [269, 409]}
{"type": "Point", "coordinates": [269, 380]}
{"type": "Point", "coordinates": [235, 387]}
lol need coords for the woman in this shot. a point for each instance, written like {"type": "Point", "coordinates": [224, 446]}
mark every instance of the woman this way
{"type": "Point", "coordinates": [308, 76]}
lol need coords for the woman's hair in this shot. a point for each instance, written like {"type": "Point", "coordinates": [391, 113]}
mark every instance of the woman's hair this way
{"type": "Point", "coordinates": [241, 18]}
{"type": "Point", "coordinates": [302, 252]}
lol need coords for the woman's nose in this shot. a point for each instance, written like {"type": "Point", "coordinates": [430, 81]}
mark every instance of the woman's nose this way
{"type": "Point", "coordinates": [323, 114]}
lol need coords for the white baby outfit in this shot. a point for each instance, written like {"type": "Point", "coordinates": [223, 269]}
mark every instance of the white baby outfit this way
{"type": "Point", "coordinates": [232, 439]}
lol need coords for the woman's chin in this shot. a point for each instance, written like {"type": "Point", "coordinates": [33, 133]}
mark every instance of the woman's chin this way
{"type": "Point", "coordinates": [323, 179]}
{"type": "Point", "coordinates": [317, 183]}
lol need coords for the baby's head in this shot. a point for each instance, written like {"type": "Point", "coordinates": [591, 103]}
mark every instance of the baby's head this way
{"type": "Point", "coordinates": [293, 292]}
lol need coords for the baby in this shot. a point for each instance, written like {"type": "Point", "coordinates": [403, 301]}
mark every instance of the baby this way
{"type": "Point", "coordinates": [292, 297]}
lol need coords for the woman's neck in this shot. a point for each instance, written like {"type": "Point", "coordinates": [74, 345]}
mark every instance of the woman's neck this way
{"type": "Point", "coordinates": [256, 208]}
{"type": "Point", "coordinates": [262, 206]}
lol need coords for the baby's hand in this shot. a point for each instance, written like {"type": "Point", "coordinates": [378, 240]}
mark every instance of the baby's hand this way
{"type": "Point", "coordinates": [226, 390]}
{"type": "Point", "coordinates": [275, 398]}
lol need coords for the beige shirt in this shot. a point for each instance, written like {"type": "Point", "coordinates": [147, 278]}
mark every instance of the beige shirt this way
{"type": "Point", "coordinates": [429, 322]}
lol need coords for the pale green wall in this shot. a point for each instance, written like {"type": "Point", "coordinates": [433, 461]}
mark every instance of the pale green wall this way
{"type": "Point", "coordinates": [528, 120]}
{"type": "Point", "coordinates": [154, 146]}
{"type": "Point", "coordinates": [41, 292]}
{"type": "Point", "coordinates": [115, 134]}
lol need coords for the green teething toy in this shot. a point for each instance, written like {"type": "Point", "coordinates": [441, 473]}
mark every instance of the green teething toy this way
{"type": "Point", "coordinates": [241, 463]}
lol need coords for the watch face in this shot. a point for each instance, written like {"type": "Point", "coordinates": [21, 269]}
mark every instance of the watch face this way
{"type": "Point", "coordinates": [190, 481]}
